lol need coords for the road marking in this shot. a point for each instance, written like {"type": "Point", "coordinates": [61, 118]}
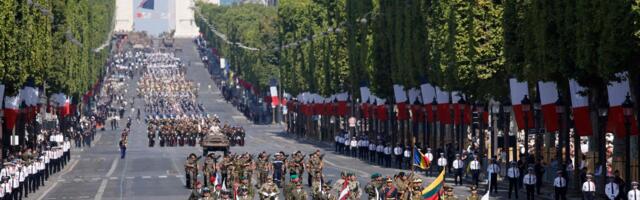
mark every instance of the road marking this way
{"type": "Point", "coordinates": [162, 176]}
{"type": "Point", "coordinates": [77, 180]}
{"type": "Point", "coordinates": [113, 178]}
{"type": "Point", "coordinates": [103, 184]}
{"type": "Point", "coordinates": [44, 194]}
{"type": "Point", "coordinates": [130, 177]}
{"type": "Point", "coordinates": [113, 167]}
{"type": "Point", "coordinates": [98, 137]}
{"type": "Point", "coordinates": [179, 176]}
{"type": "Point", "coordinates": [146, 177]}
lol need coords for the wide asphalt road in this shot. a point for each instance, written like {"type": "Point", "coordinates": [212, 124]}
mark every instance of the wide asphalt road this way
{"type": "Point", "coordinates": [157, 173]}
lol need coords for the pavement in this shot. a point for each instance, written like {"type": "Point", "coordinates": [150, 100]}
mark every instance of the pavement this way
{"type": "Point", "coordinates": [157, 173]}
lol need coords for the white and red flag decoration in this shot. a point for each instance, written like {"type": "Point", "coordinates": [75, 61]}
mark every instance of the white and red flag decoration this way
{"type": "Point", "coordinates": [518, 91]}
{"type": "Point", "coordinates": [365, 96]}
{"type": "Point", "coordinates": [618, 91]}
{"type": "Point", "coordinates": [401, 102]}
{"type": "Point", "coordinates": [62, 102]}
{"type": "Point", "coordinates": [428, 93]}
{"type": "Point", "coordinates": [381, 109]}
{"type": "Point", "coordinates": [344, 191]}
{"type": "Point", "coordinates": [342, 103]}
{"type": "Point", "coordinates": [273, 92]}
{"type": "Point", "coordinates": [580, 105]}
{"type": "Point", "coordinates": [548, 98]}
{"type": "Point", "coordinates": [444, 116]}
{"type": "Point", "coordinates": [11, 109]}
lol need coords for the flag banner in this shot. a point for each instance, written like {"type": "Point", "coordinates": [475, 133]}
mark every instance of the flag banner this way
{"type": "Point", "coordinates": [414, 96]}
{"type": "Point", "coordinates": [365, 93]}
{"type": "Point", "coordinates": [518, 91]}
{"type": "Point", "coordinates": [382, 113]}
{"type": "Point", "coordinates": [618, 91]}
{"type": "Point", "coordinates": [273, 91]}
{"type": "Point", "coordinates": [580, 105]}
{"type": "Point", "coordinates": [434, 190]}
{"type": "Point", "coordinates": [399, 93]}
{"type": "Point", "coordinates": [417, 114]}
{"type": "Point", "coordinates": [444, 114]}
{"type": "Point", "coordinates": [11, 109]}
{"type": "Point", "coordinates": [428, 92]}
{"type": "Point", "coordinates": [548, 98]}
{"type": "Point", "coordinates": [147, 4]}
{"type": "Point", "coordinates": [420, 160]}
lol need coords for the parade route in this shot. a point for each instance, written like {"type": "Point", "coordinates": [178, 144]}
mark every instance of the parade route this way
{"type": "Point", "coordinates": [157, 173]}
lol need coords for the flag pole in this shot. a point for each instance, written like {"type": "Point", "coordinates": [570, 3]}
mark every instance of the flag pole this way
{"type": "Point", "coordinates": [413, 150]}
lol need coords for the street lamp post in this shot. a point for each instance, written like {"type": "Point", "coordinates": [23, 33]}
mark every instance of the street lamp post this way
{"type": "Point", "coordinates": [537, 108]}
{"type": "Point", "coordinates": [560, 112]}
{"type": "Point", "coordinates": [462, 129]}
{"type": "Point", "coordinates": [526, 108]}
{"type": "Point", "coordinates": [480, 110]}
{"type": "Point", "coordinates": [434, 111]}
{"type": "Point", "coordinates": [627, 107]}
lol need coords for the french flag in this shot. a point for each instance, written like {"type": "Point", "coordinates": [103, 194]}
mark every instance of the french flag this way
{"type": "Point", "coordinates": [11, 109]}
{"type": "Point", "coordinates": [381, 110]}
{"type": "Point", "coordinates": [442, 97]}
{"type": "Point", "coordinates": [401, 102]}
{"type": "Point", "coordinates": [618, 91]}
{"type": "Point", "coordinates": [428, 94]}
{"type": "Point", "coordinates": [416, 108]}
{"type": "Point", "coordinates": [548, 97]}
{"type": "Point", "coordinates": [342, 103]}
{"type": "Point", "coordinates": [273, 91]}
{"type": "Point", "coordinates": [518, 91]}
{"type": "Point", "coordinates": [580, 105]}
{"type": "Point", "coordinates": [365, 94]}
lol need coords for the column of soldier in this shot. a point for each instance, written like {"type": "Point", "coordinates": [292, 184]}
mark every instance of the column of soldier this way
{"type": "Point", "coordinates": [25, 170]}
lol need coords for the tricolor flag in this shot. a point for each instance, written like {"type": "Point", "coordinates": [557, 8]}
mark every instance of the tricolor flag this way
{"type": "Point", "coordinates": [273, 91]}
{"type": "Point", "coordinates": [342, 103]}
{"type": "Point", "coordinates": [428, 94]}
{"type": "Point", "coordinates": [518, 91]}
{"type": "Point", "coordinates": [548, 98]}
{"type": "Point", "coordinates": [420, 159]}
{"type": "Point", "coordinates": [618, 91]}
{"type": "Point", "coordinates": [11, 109]}
{"type": "Point", "coordinates": [580, 105]}
{"type": "Point", "coordinates": [444, 116]}
{"type": "Point", "coordinates": [365, 96]}
{"type": "Point", "coordinates": [434, 190]}
{"type": "Point", "coordinates": [401, 102]}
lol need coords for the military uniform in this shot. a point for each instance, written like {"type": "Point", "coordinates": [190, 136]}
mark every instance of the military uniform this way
{"type": "Point", "coordinates": [389, 191]}
{"type": "Point", "coordinates": [191, 170]}
{"type": "Point", "coordinates": [415, 190]}
{"type": "Point", "coordinates": [474, 194]}
{"type": "Point", "coordinates": [326, 193]}
{"type": "Point", "coordinates": [634, 193]}
{"type": "Point", "coordinates": [373, 188]}
{"type": "Point", "coordinates": [298, 193]}
{"type": "Point", "coordinates": [269, 190]}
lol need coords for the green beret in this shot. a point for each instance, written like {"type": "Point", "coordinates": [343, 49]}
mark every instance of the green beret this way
{"type": "Point", "coordinates": [243, 177]}
{"type": "Point", "coordinates": [375, 175]}
{"type": "Point", "coordinates": [350, 174]}
{"type": "Point", "coordinates": [294, 176]}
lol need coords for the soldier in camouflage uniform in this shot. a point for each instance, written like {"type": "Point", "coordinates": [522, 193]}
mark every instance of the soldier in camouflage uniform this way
{"type": "Point", "coordinates": [402, 182]}
{"type": "Point", "coordinates": [326, 193]}
{"type": "Point", "coordinates": [191, 170]}
{"type": "Point", "coordinates": [264, 167]}
{"type": "Point", "coordinates": [296, 166]}
{"type": "Point", "coordinates": [243, 193]}
{"type": "Point", "coordinates": [298, 193]}
{"type": "Point", "coordinates": [474, 194]}
{"type": "Point", "coordinates": [288, 187]}
{"type": "Point", "coordinates": [314, 166]}
{"type": "Point", "coordinates": [269, 190]}
{"type": "Point", "coordinates": [244, 182]}
{"type": "Point", "coordinates": [415, 190]}
{"type": "Point", "coordinates": [354, 187]}
{"type": "Point", "coordinates": [210, 169]}
{"type": "Point", "coordinates": [448, 195]}
{"type": "Point", "coordinates": [373, 188]}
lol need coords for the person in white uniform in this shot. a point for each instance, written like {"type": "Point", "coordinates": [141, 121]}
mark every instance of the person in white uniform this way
{"type": "Point", "coordinates": [589, 188]}
{"type": "Point", "coordinates": [611, 189]}
{"type": "Point", "coordinates": [560, 187]}
{"type": "Point", "coordinates": [529, 182]}
{"type": "Point", "coordinates": [634, 193]}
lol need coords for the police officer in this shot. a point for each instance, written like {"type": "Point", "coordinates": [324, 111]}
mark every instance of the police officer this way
{"type": "Point", "coordinates": [529, 182]}
{"type": "Point", "coordinates": [589, 188]}
{"type": "Point", "coordinates": [458, 168]}
{"type": "Point", "coordinates": [338, 144]}
{"type": "Point", "coordinates": [474, 167]}
{"type": "Point", "coordinates": [372, 152]}
{"type": "Point", "coordinates": [380, 152]}
{"type": "Point", "coordinates": [513, 174]}
{"type": "Point", "coordinates": [387, 155]}
{"type": "Point", "coordinates": [442, 162]}
{"type": "Point", "coordinates": [611, 189]}
{"type": "Point", "coordinates": [493, 170]}
{"type": "Point", "coordinates": [407, 157]}
{"type": "Point", "coordinates": [429, 156]}
{"type": "Point", "coordinates": [560, 187]}
{"type": "Point", "coordinates": [634, 193]}
{"type": "Point", "coordinates": [397, 153]}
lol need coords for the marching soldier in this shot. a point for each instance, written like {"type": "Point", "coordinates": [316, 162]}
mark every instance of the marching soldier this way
{"type": "Point", "coordinates": [634, 193]}
{"type": "Point", "coordinates": [513, 173]}
{"type": "Point", "coordinates": [402, 182]}
{"type": "Point", "coordinates": [289, 187]}
{"type": "Point", "coordinates": [389, 191]}
{"type": "Point", "coordinates": [529, 182]}
{"type": "Point", "coordinates": [611, 189]}
{"type": "Point", "coordinates": [210, 169]}
{"type": "Point", "coordinates": [314, 166]}
{"type": "Point", "coordinates": [458, 169]}
{"type": "Point", "coordinates": [449, 195]}
{"type": "Point", "coordinates": [279, 168]}
{"type": "Point", "coordinates": [243, 193]}
{"type": "Point", "coordinates": [298, 193]}
{"type": "Point", "coordinates": [415, 191]}
{"type": "Point", "coordinates": [269, 190]}
{"type": "Point", "coordinates": [264, 167]}
{"type": "Point", "coordinates": [474, 193]}
{"type": "Point", "coordinates": [354, 187]}
{"type": "Point", "coordinates": [373, 188]}
{"type": "Point", "coordinates": [191, 170]}
{"type": "Point", "coordinates": [589, 188]}
{"type": "Point", "coordinates": [560, 187]}
{"type": "Point", "coordinates": [244, 182]}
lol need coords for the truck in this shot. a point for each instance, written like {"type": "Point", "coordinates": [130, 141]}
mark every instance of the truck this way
{"type": "Point", "coordinates": [214, 140]}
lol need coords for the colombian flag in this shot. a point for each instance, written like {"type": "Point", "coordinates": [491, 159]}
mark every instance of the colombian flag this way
{"type": "Point", "coordinates": [432, 192]}
{"type": "Point", "coordinates": [420, 160]}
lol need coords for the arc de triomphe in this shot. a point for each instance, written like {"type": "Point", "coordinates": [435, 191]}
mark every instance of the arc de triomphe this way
{"type": "Point", "coordinates": [181, 17]}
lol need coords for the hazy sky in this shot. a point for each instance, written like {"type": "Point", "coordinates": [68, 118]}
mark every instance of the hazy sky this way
{"type": "Point", "coordinates": [153, 22]}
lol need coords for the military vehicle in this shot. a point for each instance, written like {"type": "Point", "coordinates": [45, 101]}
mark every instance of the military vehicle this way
{"type": "Point", "coordinates": [214, 140]}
